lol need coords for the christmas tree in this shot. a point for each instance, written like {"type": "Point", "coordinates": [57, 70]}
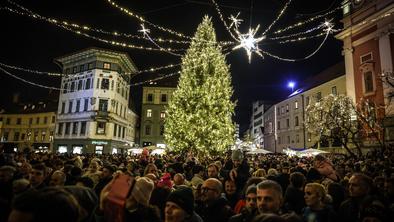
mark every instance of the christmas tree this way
{"type": "Point", "coordinates": [199, 115]}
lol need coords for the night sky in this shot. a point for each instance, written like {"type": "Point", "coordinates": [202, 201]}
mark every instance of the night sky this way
{"type": "Point", "coordinates": [34, 44]}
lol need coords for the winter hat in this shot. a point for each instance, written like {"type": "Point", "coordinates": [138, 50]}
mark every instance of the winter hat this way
{"type": "Point", "coordinates": [251, 189]}
{"type": "Point", "coordinates": [183, 197]}
{"type": "Point", "coordinates": [142, 190]}
{"type": "Point", "coordinates": [165, 181]}
{"type": "Point", "coordinates": [237, 155]}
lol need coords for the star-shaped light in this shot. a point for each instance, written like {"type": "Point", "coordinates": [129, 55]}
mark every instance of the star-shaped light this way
{"type": "Point", "coordinates": [144, 31]}
{"type": "Point", "coordinates": [328, 25]}
{"type": "Point", "coordinates": [235, 21]}
{"type": "Point", "coordinates": [249, 42]}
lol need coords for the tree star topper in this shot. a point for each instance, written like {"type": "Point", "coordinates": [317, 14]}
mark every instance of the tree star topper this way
{"type": "Point", "coordinates": [249, 42]}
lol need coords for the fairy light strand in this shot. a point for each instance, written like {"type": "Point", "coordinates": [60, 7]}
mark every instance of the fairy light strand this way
{"type": "Point", "coordinates": [279, 16]}
{"type": "Point", "coordinates": [224, 22]}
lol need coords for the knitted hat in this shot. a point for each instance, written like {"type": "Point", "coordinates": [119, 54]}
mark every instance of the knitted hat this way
{"type": "Point", "coordinates": [183, 197]}
{"type": "Point", "coordinates": [237, 155]}
{"type": "Point", "coordinates": [142, 190]}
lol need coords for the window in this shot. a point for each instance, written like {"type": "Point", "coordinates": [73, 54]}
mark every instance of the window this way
{"type": "Point", "coordinates": [119, 131]}
{"type": "Point", "coordinates": [78, 105]}
{"type": "Point", "coordinates": [83, 128]}
{"type": "Point", "coordinates": [60, 129]}
{"type": "Point", "coordinates": [72, 88]}
{"type": "Point", "coordinates": [98, 83]}
{"type": "Point", "coordinates": [103, 105]}
{"type": "Point", "coordinates": [163, 98]}
{"type": "Point", "coordinates": [112, 85]}
{"type": "Point", "coordinates": [368, 82]}
{"type": "Point", "coordinates": [282, 109]}
{"type": "Point", "coordinates": [297, 138]}
{"type": "Point", "coordinates": [148, 113]}
{"type": "Point", "coordinates": [43, 135]}
{"type": "Point", "coordinates": [8, 121]}
{"type": "Point", "coordinates": [296, 121]}
{"type": "Point", "coordinates": [53, 119]}
{"type": "Point", "coordinates": [287, 108]}
{"type": "Point", "coordinates": [75, 128]}
{"type": "Point", "coordinates": [87, 84]}
{"type": "Point", "coordinates": [366, 58]}
{"type": "Point", "coordinates": [161, 130]}
{"type": "Point", "coordinates": [105, 83]}
{"type": "Point", "coordinates": [279, 140]}
{"type": "Point", "coordinates": [63, 108]}
{"type": "Point", "coordinates": [45, 120]}
{"type": "Point", "coordinates": [51, 136]}
{"type": "Point", "coordinates": [18, 121]}
{"type": "Point", "coordinates": [334, 90]}
{"type": "Point", "coordinates": [23, 136]}
{"type": "Point", "coordinates": [162, 115]}
{"type": "Point", "coordinates": [287, 123]}
{"type": "Point", "coordinates": [117, 87]}
{"type": "Point", "coordinates": [318, 96]}
{"type": "Point", "coordinates": [150, 97]}
{"type": "Point", "coordinates": [67, 131]}
{"type": "Point", "coordinates": [35, 136]}
{"type": "Point", "coordinates": [99, 149]}
{"type": "Point", "coordinates": [147, 130]}
{"type": "Point", "coordinates": [278, 127]}
{"type": "Point", "coordinates": [30, 121]}
{"type": "Point", "coordinates": [38, 120]}
{"type": "Point", "coordinates": [81, 68]}
{"type": "Point", "coordinates": [80, 83]}
{"type": "Point", "coordinates": [70, 106]}
{"type": "Point", "coordinates": [288, 139]}
{"type": "Point", "coordinates": [77, 149]}
{"type": "Point", "coordinates": [296, 105]}
{"type": "Point", "coordinates": [115, 128]}
{"type": "Point", "coordinates": [107, 65]}
{"type": "Point", "coordinates": [123, 132]}
{"type": "Point", "coordinates": [65, 87]}
{"type": "Point", "coordinates": [74, 69]}
{"type": "Point", "coordinates": [307, 100]}
{"type": "Point", "coordinates": [90, 65]}
{"type": "Point", "coordinates": [100, 128]}
{"type": "Point", "coordinates": [16, 136]}
{"type": "Point", "coordinates": [278, 111]}
{"type": "Point", "coordinates": [67, 71]}
{"type": "Point", "coordinates": [85, 104]}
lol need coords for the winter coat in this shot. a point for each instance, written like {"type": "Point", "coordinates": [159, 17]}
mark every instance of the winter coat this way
{"type": "Point", "coordinates": [217, 211]}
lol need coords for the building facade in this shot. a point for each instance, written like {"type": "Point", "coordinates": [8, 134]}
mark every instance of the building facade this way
{"type": "Point", "coordinates": [368, 53]}
{"type": "Point", "coordinates": [93, 112]}
{"type": "Point", "coordinates": [256, 122]}
{"type": "Point", "coordinates": [30, 128]}
{"type": "Point", "coordinates": [284, 121]}
{"type": "Point", "coordinates": [153, 114]}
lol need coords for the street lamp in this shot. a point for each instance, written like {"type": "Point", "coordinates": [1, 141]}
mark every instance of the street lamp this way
{"type": "Point", "coordinates": [291, 85]}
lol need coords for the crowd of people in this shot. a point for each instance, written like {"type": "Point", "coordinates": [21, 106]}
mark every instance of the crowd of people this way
{"type": "Point", "coordinates": [40, 187]}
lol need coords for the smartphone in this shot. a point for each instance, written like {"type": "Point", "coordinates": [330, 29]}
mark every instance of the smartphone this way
{"type": "Point", "coordinates": [115, 205]}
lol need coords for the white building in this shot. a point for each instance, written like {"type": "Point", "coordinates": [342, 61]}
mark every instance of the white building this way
{"type": "Point", "coordinates": [93, 112]}
{"type": "Point", "coordinates": [256, 122]}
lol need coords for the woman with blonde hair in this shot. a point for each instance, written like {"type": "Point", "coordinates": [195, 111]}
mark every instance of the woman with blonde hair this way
{"type": "Point", "coordinates": [316, 209]}
{"type": "Point", "coordinates": [260, 173]}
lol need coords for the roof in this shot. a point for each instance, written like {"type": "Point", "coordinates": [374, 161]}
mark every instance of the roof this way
{"type": "Point", "coordinates": [326, 75]}
{"type": "Point", "coordinates": [30, 108]}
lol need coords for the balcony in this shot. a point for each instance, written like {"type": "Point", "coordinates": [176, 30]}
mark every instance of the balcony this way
{"type": "Point", "coordinates": [101, 115]}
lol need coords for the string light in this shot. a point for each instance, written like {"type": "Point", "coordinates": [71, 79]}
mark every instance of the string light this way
{"type": "Point", "coordinates": [224, 22]}
{"type": "Point", "coordinates": [235, 21]}
{"type": "Point", "coordinates": [279, 16]}
{"type": "Point", "coordinates": [31, 71]}
{"type": "Point", "coordinates": [27, 81]}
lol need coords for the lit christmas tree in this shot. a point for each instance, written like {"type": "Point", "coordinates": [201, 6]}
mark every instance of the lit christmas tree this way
{"type": "Point", "coordinates": [199, 115]}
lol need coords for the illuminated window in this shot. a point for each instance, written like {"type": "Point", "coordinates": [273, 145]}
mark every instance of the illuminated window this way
{"type": "Point", "coordinates": [296, 104]}
{"type": "Point", "coordinates": [107, 65]}
{"type": "Point", "coordinates": [148, 113]}
{"type": "Point", "coordinates": [100, 128]}
{"type": "Point", "coordinates": [162, 115]}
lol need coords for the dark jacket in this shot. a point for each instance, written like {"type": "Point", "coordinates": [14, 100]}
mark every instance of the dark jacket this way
{"type": "Point", "coordinates": [217, 211]}
{"type": "Point", "coordinates": [294, 200]}
{"type": "Point", "coordinates": [327, 214]}
{"type": "Point", "coordinates": [246, 215]}
{"type": "Point", "coordinates": [242, 173]}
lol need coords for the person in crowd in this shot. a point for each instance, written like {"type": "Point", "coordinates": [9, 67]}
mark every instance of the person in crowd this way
{"type": "Point", "coordinates": [260, 173]}
{"type": "Point", "coordinates": [269, 197]}
{"type": "Point", "coordinates": [230, 192]}
{"type": "Point", "coordinates": [198, 178]}
{"type": "Point", "coordinates": [250, 210]}
{"type": "Point", "coordinates": [58, 178]}
{"type": "Point", "coordinates": [20, 185]}
{"type": "Point", "coordinates": [213, 171]}
{"type": "Point", "coordinates": [87, 200]}
{"type": "Point", "coordinates": [105, 178]}
{"type": "Point", "coordinates": [137, 207]}
{"type": "Point", "coordinates": [179, 180]}
{"type": "Point", "coordinates": [316, 209]}
{"type": "Point", "coordinates": [151, 169]}
{"type": "Point", "coordinates": [85, 182]}
{"type": "Point", "coordinates": [294, 195]}
{"type": "Point", "coordinates": [213, 207]}
{"type": "Point", "coordinates": [242, 202]}
{"type": "Point", "coordinates": [6, 194]}
{"type": "Point", "coordinates": [238, 169]}
{"type": "Point", "coordinates": [93, 171]}
{"type": "Point", "coordinates": [359, 187]}
{"type": "Point", "coordinates": [325, 168]}
{"type": "Point", "coordinates": [180, 206]}
{"type": "Point", "coordinates": [337, 193]}
{"type": "Point", "coordinates": [38, 175]}
{"type": "Point", "coordinates": [45, 205]}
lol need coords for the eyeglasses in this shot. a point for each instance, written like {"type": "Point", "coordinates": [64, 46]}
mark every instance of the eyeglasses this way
{"type": "Point", "coordinates": [206, 189]}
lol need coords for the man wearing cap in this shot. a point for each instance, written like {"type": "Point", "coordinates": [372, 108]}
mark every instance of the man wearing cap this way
{"type": "Point", "coordinates": [180, 206]}
{"type": "Point", "coordinates": [237, 169]}
{"type": "Point", "coordinates": [250, 209]}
